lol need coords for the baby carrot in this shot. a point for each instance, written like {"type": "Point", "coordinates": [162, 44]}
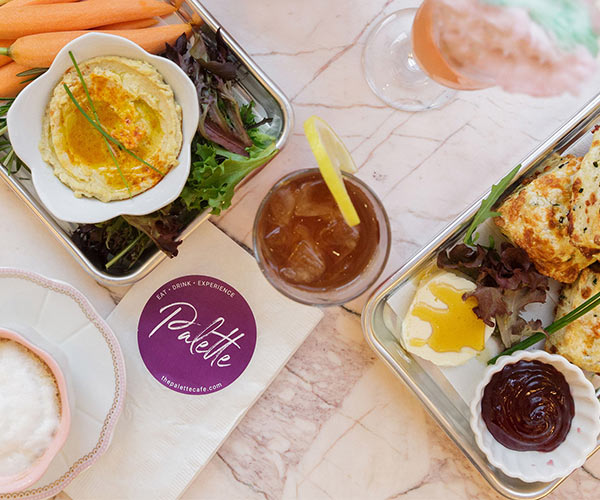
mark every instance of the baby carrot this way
{"type": "Point", "coordinates": [22, 3]}
{"type": "Point", "coordinates": [38, 51]}
{"type": "Point", "coordinates": [131, 25]}
{"type": "Point", "coordinates": [5, 59]}
{"type": "Point", "coordinates": [10, 83]}
{"type": "Point", "coordinates": [17, 21]}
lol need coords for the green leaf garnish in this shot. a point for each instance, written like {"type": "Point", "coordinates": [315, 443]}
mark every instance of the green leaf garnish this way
{"type": "Point", "coordinates": [485, 210]}
{"type": "Point", "coordinates": [557, 325]}
{"type": "Point", "coordinates": [232, 147]}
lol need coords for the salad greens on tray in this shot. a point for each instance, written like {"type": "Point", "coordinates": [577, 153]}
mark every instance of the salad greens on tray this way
{"type": "Point", "coordinates": [228, 146]}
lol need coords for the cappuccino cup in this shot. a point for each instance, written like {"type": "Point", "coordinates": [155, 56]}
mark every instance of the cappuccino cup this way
{"type": "Point", "coordinates": [34, 411]}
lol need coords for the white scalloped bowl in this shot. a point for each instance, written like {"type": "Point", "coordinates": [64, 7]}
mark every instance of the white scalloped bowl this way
{"type": "Point", "coordinates": [534, 466]}
{"type": "Point", "coordinates": [25, 132]}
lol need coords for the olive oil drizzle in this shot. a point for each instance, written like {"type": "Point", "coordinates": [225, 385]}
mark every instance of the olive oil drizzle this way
{"type": "Point", "coordinates": [454, 327]}
{"type": "Point", "coordinates": [95, 113]}
{"type": "Point", "coordinates": [96, 124]}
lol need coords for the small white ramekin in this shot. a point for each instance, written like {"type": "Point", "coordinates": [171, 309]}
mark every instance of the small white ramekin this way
{"type": "Point", "coordinates": [534, 466]}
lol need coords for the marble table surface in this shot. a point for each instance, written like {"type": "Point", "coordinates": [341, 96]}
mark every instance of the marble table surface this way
{"type": "Point", "coordinates": [336, 423]}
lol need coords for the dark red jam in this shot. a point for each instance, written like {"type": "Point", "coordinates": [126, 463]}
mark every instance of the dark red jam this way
{"type": "Point", "coordinates": [528, 406]}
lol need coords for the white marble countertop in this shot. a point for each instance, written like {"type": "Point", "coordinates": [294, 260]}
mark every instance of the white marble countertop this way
{"type": "Point", "coordinates": [336, 423]}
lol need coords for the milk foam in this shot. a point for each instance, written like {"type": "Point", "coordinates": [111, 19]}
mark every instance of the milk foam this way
{"type": "Point", "coordinates": [29, 407]}
{"type": "Point", "coordinates": [504, 46]}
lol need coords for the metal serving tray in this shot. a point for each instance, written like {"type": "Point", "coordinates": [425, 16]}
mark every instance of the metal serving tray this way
{"type": "Point", "coordinates": [439, 398]}
{"type": "Point", "coordinates": [252, 85]}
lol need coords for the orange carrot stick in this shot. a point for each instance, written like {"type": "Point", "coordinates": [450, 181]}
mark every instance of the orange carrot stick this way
{"type": "Point", "coordinates": [5, 59]}
{"type": "Point", "coordinates": [10, 83]}
{"type": "Point", "coordinates": [16, 22]}
{"type": "Point", "coordinates": [22, 3]}
{"type": "Point", "coordinates": [38, 51]}
{"type": "Point", "coordinates": [131, 25]}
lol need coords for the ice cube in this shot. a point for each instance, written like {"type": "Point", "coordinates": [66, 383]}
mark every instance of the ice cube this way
{"type": "Point", "coordinates": [339, 238]}
{"type": "Point", "coordinates": [278, 240]}
{"type": "Point", "coordinates": [305, 264]}
{"type": "Point", "coordinates": [301, 232]}
{"type": "Point", "coordinates": [314, 200]}
{"type": "Point", "coordinates": [281, 206]}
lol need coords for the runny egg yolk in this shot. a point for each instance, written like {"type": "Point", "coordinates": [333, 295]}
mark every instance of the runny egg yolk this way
{"type": "Point", "coordinates": [453, 327]}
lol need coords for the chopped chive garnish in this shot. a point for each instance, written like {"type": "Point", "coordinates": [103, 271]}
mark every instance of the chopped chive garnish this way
{"type": "Point", "coordinates": [93, 108]}
{"type": "Point", "coordinates": [104, 134]}
{"type": "Point", "coordinates": [95, 122]}
{"type": "Point", "coordinates": [112, 139]}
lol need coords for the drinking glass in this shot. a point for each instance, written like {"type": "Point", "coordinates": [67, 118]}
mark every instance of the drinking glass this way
{"type": "Point", "coordinates": [404, 66]}
{"type": "Point", "coordinates": [278, 237]}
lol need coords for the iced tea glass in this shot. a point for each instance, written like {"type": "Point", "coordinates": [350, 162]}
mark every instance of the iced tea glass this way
{"type": "Point", "coordinates": [305, 248]}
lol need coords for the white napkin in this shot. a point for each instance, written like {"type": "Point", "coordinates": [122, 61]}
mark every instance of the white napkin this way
{"type": "Point", "coordinates": [163, 438]}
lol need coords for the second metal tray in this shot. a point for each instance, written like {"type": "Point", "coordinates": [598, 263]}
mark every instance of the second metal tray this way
{"type": "Point", "coordinates": [252, 85]}
{"type": "Point", "coordinates": [446, 406]}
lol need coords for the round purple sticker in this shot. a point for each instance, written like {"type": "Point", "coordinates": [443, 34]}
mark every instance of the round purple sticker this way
{"type": "Point", "coordinates": [196, 334]}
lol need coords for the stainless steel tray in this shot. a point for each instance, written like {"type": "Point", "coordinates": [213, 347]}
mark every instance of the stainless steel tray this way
{"type": "Point", "coordinates": [252, 85]}
{"type": "Point", "coordinates": [440, 400]}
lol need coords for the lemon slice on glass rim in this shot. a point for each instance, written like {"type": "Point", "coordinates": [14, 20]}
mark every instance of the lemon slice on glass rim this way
{"type": "Point", "coordinates": [333, 158]}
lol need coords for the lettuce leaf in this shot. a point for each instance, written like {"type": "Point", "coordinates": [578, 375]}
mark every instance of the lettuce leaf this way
{"type": "Point", "coordinates": [507, 282]}
{"type": "Point", "coordinates": [212, 182]}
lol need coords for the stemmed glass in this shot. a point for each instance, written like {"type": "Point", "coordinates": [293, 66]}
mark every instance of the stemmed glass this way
{"type": "Point", "coordinates": [404, 66]}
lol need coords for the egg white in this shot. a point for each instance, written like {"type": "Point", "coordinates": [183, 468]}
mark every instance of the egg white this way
{"type": "Point", "coordinates": [415, 328]}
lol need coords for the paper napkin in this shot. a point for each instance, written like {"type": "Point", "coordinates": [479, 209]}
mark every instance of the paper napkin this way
{"type": "Point", "coordinates": [164, 438]}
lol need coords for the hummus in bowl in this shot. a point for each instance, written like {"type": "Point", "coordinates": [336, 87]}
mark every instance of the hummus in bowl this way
{"type": "Point", "coordinates": [144, 101]}
{"type": "Point", "coordinates": [135, 106]}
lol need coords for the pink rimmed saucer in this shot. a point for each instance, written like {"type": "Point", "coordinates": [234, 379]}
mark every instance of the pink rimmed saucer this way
{"type": "Point", "coordinates": [65, 320]}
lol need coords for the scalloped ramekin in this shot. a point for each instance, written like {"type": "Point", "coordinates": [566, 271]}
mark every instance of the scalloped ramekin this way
{"type": "Point", "coordinates": [534, 466]}
{"type": "Point", "coordinates": [18, 482]}
{"type": "Point", "coordinates": [25, 131]}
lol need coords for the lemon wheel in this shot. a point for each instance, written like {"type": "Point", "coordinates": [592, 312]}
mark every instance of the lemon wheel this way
{"type": "Point", "coordinates": [333, 158]}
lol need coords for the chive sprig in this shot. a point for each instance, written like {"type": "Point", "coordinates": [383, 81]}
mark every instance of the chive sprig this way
{"type": "Point", "coordinates": [95, 122]}
{"type": "Point", "coordinates": [554, 327]}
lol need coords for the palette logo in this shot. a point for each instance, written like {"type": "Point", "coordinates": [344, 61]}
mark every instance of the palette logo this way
{"type": "Point", "coordinates": [196, 334]}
